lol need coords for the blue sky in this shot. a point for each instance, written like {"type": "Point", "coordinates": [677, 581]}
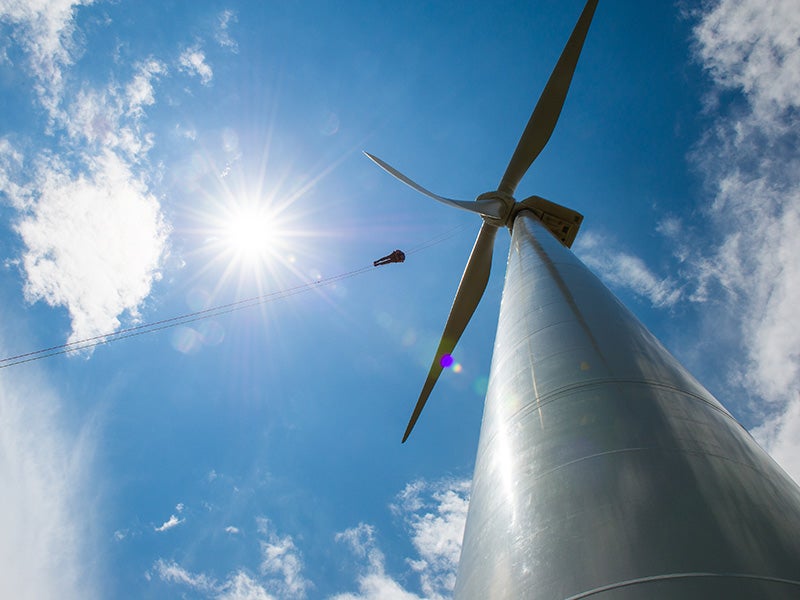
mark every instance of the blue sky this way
{"type": "Point", "coordinates": [257, 454]}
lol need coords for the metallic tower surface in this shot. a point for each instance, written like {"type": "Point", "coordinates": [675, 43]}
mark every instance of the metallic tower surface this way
{"type": "Point", "coordinates": [604, 469]}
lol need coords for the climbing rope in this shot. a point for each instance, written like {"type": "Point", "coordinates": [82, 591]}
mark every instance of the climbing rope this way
{"type": "Point", "coordinates": [208, 313]}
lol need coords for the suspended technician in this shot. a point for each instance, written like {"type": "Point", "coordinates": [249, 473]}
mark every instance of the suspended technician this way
{"type": "Point", "coordinates": [397, 256]}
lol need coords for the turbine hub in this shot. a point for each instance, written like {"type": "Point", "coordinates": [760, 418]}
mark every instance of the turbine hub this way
{"type": "Point", "coordinates": [507, 201]}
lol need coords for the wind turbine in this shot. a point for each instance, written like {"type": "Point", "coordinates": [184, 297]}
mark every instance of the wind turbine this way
{"type": "Point", "coordinates": [498, 208]}
{"type": "Point", "coordinates": [604, 469]}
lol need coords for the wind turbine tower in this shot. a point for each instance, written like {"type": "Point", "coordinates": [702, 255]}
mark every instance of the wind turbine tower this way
{"type": "Point", "coordinates": [604, 469]}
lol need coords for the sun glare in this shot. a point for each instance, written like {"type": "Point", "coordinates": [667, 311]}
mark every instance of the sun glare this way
{"type": "Point", "coordinates": [249, 242]}
{"type": "Point", "coordinates": [250, 234]}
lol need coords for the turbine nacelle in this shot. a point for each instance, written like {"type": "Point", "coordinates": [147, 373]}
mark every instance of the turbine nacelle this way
{"type": "Point", "coordinates": [562, 222]}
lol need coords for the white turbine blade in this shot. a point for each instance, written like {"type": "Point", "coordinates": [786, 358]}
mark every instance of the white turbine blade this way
{"type": "Point", "coordinates": [545, 116]}
{"type": "Point", "coordinates": [489, 208]}
{"type": "Point", "coordinates": [470, 291]}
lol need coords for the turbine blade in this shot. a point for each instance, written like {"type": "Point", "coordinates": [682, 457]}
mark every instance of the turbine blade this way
{"type": "Point", "coordinates": [470, 291]}
{"type": "Point", "coordinates": [489, 208]}
{"type": "Point", "coordinates": [545, 115]}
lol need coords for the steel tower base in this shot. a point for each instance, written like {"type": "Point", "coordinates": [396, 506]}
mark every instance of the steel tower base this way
{"type": "Point", "coordinates": [604, 469]}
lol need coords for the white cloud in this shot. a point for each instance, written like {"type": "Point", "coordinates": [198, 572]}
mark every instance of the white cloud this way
{"type": "Point", "coordinates": [232, 530]}
{"type": "Point", "coordinates": [44, 29]}
{"type": "Point", "coordinates": [623, 270]}
{"type": "Point", "coordinates": [93, 241]}
{"type": "Point", "coordinates": [172, 572]}
{"type": "Point", "coordinates": [173, 521]}
{"type": "Point", "coordinates": [193, 62]}
{"type": "Point", "coordinates": [239, 586]}
{"type": "Point", "coordinates": [361, 540]}
{"type": "Point", "coordinates": [243, 587]}
{"type": "Point", "coordinates": [110, 118]}
{"type": "Point", "coordinates": [751, 162]}
{"type": "Point", "coordinates": [11, 161]}
{"type": "Point", "coordinates": [187, 132]}
{"type": "Point", "coordinates": [435, 513]}
{"type": "Point", "coordinates": [280, 556]}
{"type": "Point", "coordinates": [222, 35]}
{"type": "Point", "coordinates": [94, 235]}
{"type": "Point", "coordinates": [670, 226]}
{"type": "Point", "coordinates": [280, 569]}
{"type": "Point", "coordinates": [437, 533]}
{"type": "Point", "coordinates": [752, 47]}
{"type": "Point", "coordinates": [139, 92]}
{"type": "Point", "coordinates": [45, 507]}
{"type": "Point", "coordinates": [374, 583]}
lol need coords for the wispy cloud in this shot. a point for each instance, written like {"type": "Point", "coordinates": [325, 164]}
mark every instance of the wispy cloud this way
{"type": "Point", "coordinates": [622, 270]}
{"type": "Point", "coordinates": [751, 47]}
{"type": "Point", "coordinates": [193, 62]}
{"type": "Point", "coordinates": [281, 557]}
{"type": "Point", "coordinates": [139, 92]}
{"type": "Point", "coordinates": [374, 583]}
{"type": "Point", "coordinates": [44, 29]}
{"type": "Point", "coordinates": [223, 35]}
{"type": "Point", "coordinates": [280, 572]}
{"type": "Point", "coordinates": [45, 505]}
{"type": "Point", "coordinates": [239, 586]}
{"type": "Point", "coordinates": [173, 521]}
{"type": "Point", "coordinates": [110, 118]}
{"type": "Point", "coordinates": [437, 530]}
{"type": "Point", "coordinates": [243, 587]}
{"type": "Point", "coordinates": [751, 162]}
{"type": "Point", "coordinates": [172, 572]}
{"type": "Point", "coordinates": [94, 234]}
{"type": "Point", "coordinates": [435, 513]}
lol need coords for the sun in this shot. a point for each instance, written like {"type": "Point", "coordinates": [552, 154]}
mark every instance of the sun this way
{"type": "Point", "coordinates": [250, 234]}
{"type": "Point", "coordinates": [246, 234]}
{"type": "Point", "coordinates": [249, 241]}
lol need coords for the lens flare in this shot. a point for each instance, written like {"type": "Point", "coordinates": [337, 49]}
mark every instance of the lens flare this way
{"type": "Point", "coordinates": [446, 361]}
{"type": "Point", "coordinates": [480, 386]}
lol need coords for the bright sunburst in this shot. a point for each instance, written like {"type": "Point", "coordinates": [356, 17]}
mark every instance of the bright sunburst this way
{"type": "Point", "coordinates": [250, 241]}
{"type": "Point", "coordinates": [247, 241]}
{"type": "Point", "coordinates": [250, 234]}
